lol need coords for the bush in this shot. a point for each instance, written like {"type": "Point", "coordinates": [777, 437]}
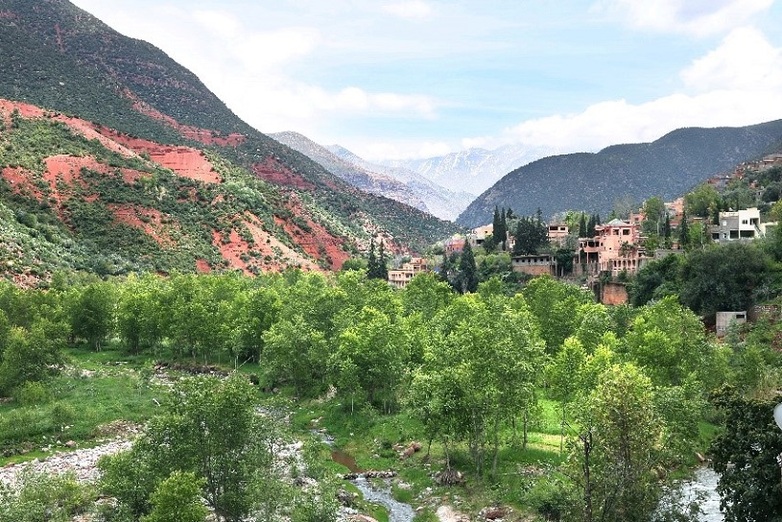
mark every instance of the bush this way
{"type": "Point", "coordinates": [32, 393]}
{"type": "Point", "coordinates": [54, 498]}
{"type": "Point", "coordinates": [62, 414]}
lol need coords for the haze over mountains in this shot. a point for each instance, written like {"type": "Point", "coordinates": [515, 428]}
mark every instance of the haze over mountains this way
{"type": "Point", "coordinates": [473, 170]}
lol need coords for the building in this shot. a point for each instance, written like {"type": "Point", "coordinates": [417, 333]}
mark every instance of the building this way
{"type": "Point", "coordinates": [404, 274]}
{"type": "Point", "coordinates": [726, 319]}
{"type": "Point", "coordinates": [454, 244]}
{"type": "Point", "coordinates": [558, 234]}
{"type": "Point", "coordinates": [534, 264]}
{"type": "Point", "coordinates": [736, 225]}
{"type": "Point", "coordinates": [478, 235]}
{"type": "Point", "coordinates": [616, 248]}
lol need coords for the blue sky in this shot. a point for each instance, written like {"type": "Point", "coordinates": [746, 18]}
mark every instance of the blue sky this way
{"type": "Point", "coordinates": [417, 78]}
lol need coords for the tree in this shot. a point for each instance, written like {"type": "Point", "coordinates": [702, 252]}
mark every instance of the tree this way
{"type": "Point", "coordinates": [140, 312]}
{"type": "Point", "coordinates": [684, 232]}
{"type": "Point", "coordinates": [530, 235]}
{"type": "Point", "coordinates": [702, 201]}
{"type": "Point", "coordinates": [31, 355]}
{"type": "Point", "coordinates": [294, 352]}
{"type": "Point", "coordinates": [656, 279]}
{"type": "Point", "coordinates": [376, 264]}
{"type": "Point", "coordinates": [564, 376]}
{"type": "Point", "coordinates": [426, 294]}
{"type": "Point", "coordinates": [669, 342]}
{"type": "Point", "coordinates": [209, 428]}
{"type": "Point", "coordinates": [92, 312]}
{"type": "Point", "coordinates": [654, 212]}
{"type": "Point", "coordinates": [611, 459]}
{"type": "Point", "coordinates": [499, 227]}
{"type": "Point", "coordinates": [370, 359]}
{"type": "Point", "coordinates": [727, 277]}
{"type": "Point", "coordinates": [554, 303]}
{"type": "Point", "coordinates": [479, 372]}
{"type": "Point", "coordinates": [745, 456]}
{"type": "Point", "coordinates": [468, 271]}
{"type": "Point", "coordinates": [177, 498]}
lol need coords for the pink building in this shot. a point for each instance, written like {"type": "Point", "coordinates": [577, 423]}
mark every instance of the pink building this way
{"type": "Point", "coordinates": [615, 248]}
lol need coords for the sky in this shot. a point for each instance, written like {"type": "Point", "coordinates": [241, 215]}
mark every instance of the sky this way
{"type": "Point", "coordinates": [393, 79]}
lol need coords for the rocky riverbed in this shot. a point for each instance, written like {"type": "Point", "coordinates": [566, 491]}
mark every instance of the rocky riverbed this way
{"type": "Point", "coordinates": [81, 462]}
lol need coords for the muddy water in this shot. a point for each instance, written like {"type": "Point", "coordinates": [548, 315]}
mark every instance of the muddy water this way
{"type": "Point", "coordinates": [346, 460]}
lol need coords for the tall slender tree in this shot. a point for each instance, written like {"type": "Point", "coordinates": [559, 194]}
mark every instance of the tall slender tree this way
{"type": "Point", "coordinates": [468, 270]}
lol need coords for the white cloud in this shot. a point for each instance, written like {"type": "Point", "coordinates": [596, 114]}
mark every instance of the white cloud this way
{"type": "Point", "coordinates": [745, 60]}
{"type": "Point", "coordinates": [414, 9]}
{"type": "Point", "coordinates": [738, 83]}
{"type": "Point", "coordinates": [695, 17]}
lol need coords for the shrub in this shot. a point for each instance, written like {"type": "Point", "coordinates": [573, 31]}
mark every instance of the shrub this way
{"type": "Point", "coordinates": [32, 393]}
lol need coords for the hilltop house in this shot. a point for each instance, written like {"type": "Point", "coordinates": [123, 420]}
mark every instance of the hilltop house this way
{"type": "Point", "coordinates": [615, 248]}
{"type": "Point", "coordinates": [400, 277]}
{"type": "Point", "coordinates": [737, 225]}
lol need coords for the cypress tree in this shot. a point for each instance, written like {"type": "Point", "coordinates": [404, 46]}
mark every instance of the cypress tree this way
{"type": "Point", "coordinates": [684, 231]}
{"type": "Point", "coordinates": [372, 264]}
{"type": "Point", "coordinates": [468, 271]}
{"type": "Point", "coordinates": [382, 269]}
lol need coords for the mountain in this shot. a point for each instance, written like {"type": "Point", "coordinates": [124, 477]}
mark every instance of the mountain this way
{"type": "Point", "coordinates": [667, 167]}
{"type": "Point", "coordinates": [473, 170]}
{"type": "Point", "coordinates": [440, 201]}
{"type": "Point", "coordinates": [115, 158]}
{"type": "Point", "coordinates": [357, 176]}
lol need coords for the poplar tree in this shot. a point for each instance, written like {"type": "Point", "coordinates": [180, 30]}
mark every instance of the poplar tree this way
{"type": "Point", "coordinates": [468, 271]}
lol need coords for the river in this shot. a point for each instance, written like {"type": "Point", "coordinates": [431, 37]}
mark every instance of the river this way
{"type": "Point", "coordinates": [704, 485]}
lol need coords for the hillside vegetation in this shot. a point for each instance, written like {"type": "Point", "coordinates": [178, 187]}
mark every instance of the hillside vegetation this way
{"type": "Point", "coordinates": [250, 204]}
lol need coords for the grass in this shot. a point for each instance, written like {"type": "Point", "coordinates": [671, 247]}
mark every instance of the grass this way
{"type": "Point", "coordinates": [86, 396]}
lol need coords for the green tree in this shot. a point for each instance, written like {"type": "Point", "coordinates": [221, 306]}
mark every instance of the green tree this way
{"type": "Point", "coordinates": [744, 454]}
{"type": "Point", "coordinates": [208, 427]}
{"type": "Point", "coordinates": [684, 232]}
{"type": "Point", "coordinates": [702, 200]}
{"type": "Point", "coordinates": [553, 303]}
{"type": "Point", "coordinates": [468, 271]}
{"type": "Point", "coordinates": [654, 212]}
{"type": "Point", "coordinates": [669, 342]}
{"type": "Point", "coordinates": [140, 312]}
{"type": "Point", "coordinates": [92, 312]}
{"type": "Point", "coordinates": [610, 462]}
{"type": "Point", "coordinates": [499, 227]}
{"type": "Point", "coordinates": [177, 498]}
{"type": "Point", "coordinates": [656, 279]}
{"type": "Point", "coordinates": [426, 294]}
{"type": "Point", "coordinates": [479, 372]}
{"type": "Point", "coordinates": [294, 352]}
{"type": "Point", "coordinates": [530, 236]}
{"type": "Point", "coordinates": [564, 376]}
{"type": "Point", "coordinates": [729, 277]}
{"type": "Point", "coordinates": [370, 357]}
{"type": "Point", "coordinates": [32, 355]}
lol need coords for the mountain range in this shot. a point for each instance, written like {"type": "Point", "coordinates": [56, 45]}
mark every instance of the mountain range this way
{"type": "Point", "coordinates": [472, 170]}
{"type": "Point", "coordinates": [594, 182]}
{"type": "Point", "coordinates": [119, 159]}
{"type": "Point", "coordinates": [392, 182]}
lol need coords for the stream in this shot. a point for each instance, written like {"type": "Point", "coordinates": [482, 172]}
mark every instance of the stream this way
{"type": "Point", "coordinates": [704, 483]}
{"type": "Point", "coordinates": [397, 511]}
{"type": "Point", "coordinates": [702, 486]}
